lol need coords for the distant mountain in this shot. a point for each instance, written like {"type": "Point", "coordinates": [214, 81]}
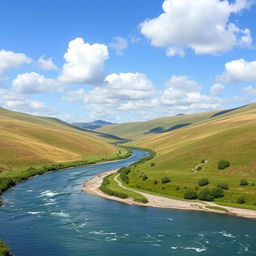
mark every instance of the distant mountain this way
{"type": "Point", "coordinates": [92, 125]}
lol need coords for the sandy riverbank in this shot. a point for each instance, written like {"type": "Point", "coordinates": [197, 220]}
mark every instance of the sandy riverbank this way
{"type": "Point", "coordinates": [92, 187]}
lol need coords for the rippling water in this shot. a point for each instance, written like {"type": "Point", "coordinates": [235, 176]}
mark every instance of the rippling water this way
{"type": "Point", "coordinates": [50, 216]}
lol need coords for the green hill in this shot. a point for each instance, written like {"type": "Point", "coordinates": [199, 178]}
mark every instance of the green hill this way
{"type": "Point", "coordinates": [27, 140]}
{"type": "Point", "coordinates": [190, 153]}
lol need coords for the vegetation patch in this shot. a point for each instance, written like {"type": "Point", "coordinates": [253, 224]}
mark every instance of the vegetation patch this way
{"type": "Point", "coordinates": [4, 249]}
{"type": "Point", "coordinates": [223, 164]}
{"type": "Point", "coordinates": [203, 182]}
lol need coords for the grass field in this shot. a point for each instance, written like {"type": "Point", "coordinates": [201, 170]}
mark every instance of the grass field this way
{"type": "Point", "coordinates": [230, 136]}
{"type": "Point", "coordinates": [27, 140]}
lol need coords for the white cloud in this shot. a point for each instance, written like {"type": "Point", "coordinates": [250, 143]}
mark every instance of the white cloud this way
{"type": "Point", "coordinates": [10, 59]}
{"type": "Point", "coordinates": [238, 71]}
{"type": "Point", "coordinates": [119, 44]}
{"type": "Point", "coordinates": [183, 94]}
{"type": "Point", "coordinates": [74, 95]}
{"type": "Point", "coordinates": [216, 89]}
{"type": "Point", "coordinates": [135, 94]}
{"type": "Point", "coordinates": [18, 102]}
{"type": "Point", "coordinates": [35, 83]}
{"type": "Point", "coordinates": [202, 25]}
{"type": "Point", "coordinates": [84, 62]}
{"type": "Point", "coordinates": [175, 50]}
{"type": "Point", "coordinates": [46, 64]}
{"type": "Point", "coordinates": [250, 90]}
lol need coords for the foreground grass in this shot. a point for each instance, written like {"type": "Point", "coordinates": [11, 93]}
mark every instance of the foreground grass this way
{"type": "Point", "coordinates": [4, 250]}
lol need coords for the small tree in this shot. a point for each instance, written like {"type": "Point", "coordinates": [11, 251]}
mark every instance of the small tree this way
{"type": "Point", "coordinates": [155, 182]}
{"type": "Point", "coordinates": [144, 177]}
{"type": "Point", "coordinates": [203, 182]}
{"type": "Point", "coordinates": [152, 164]}
{"type": "Point", "coordinates": [165, 180]}
{"type": "Point", "coordinates": [243, 182]}
{"type": "Point", "coordinates": [205, 195]}
{"type": "Point", "coordinates": [241, 200]}
{"type": "Point", "coordinates": [198, 168]}
{"type": "Point", "coordinates": [223, 186]}
{"type": "Point", "coordinates": [190, 194]}
{"type": "Point", "coordinates": [223, 164]}
{"type": "Point", "coordinates": [217, 192]}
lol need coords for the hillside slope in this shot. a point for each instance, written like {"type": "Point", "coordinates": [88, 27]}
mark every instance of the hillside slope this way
{"type": "Point", "coordinates": [27, 140]}
{"type": "Point", "coordinates": [188, 154]}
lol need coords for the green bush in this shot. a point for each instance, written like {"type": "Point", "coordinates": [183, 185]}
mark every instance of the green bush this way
{"type": "Point", "coordinates": [205, 195]}
{"type": "Point", "coordinates": [223, 164]}
{"type": "Point", "coordinates": [217, 192]}
{"type": "Point", "coordinates": [243, 182]}
{"type": "Point", "coordinates": [152, 164]}
{"type": "Point", "coordinates": [144, 177]}
{"type": "Point", "coordinates": [203, 182]}
{"type": "Point", "coordinates": [165, 180]}
{"type": "Point", "coordinates": [190, 194]}
{"type": "Point", "coordinates": [155, 182]}
{"type": "Point", "coordinates": [141, 200]}
{"type": "Point", "coordinates": [241, 200]}
{"type": "Point", "coordinates": [198, 168]}
{"type": "Point", "coordinates": [223, 186]}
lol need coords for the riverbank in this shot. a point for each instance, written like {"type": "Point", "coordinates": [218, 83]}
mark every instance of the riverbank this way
{"type": "Point", "coordinates": [92, 187]}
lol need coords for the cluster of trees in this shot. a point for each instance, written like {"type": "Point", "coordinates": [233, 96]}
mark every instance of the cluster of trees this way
{"type": "Point", "coordinates": [205, 194]}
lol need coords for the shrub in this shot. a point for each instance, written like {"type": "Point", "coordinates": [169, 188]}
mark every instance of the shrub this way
{"type": "Point", "coordinates": [165, 180]}
{"type": "Point", "coordinates": [144, 177]}
{"type": "Point", "coordinates": [243, 182]}
{"type": "Point", "coordinates": [223, 164]}
{"type": "Point", "coordinates": [203, 182]}
{"type": "Point", "coordinates": [177, 188]}
{"type": "Point", "coordinates": [141, 200]}
{"type": "Point", "coordinates": [223, 186]}
{"type": "Point", "coordinates": [155, 182]}
{"type": "Point", "coordinates": [241, 200]}
{"type": "Point", "coordinates": [198, 168]}
{"type": "Point", "coordinates": [203, 161]}
{"type": "Point", "coordinates": [217, 192]}
{"type": "Point", "coordinates": [152, 164]}
{"type": "Point", "coordinates": [190, 194]}
{"type": "Point", "coordinates": [205, 195]}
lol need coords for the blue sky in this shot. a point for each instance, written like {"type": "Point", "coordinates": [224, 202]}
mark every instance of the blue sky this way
{"type": "Point", "coordinates": [126, 60]}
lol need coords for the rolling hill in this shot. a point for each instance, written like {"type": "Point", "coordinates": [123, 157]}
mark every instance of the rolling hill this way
{"type": "Point", "coordinates": [189, 153]}
{"type": "Point", "coordinates": [27, 140]}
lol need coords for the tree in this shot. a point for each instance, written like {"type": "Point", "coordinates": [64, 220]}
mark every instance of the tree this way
{"type": "Point", "coordinates": [223, 164]}
{"type": "Point", "coordinates": [243, 182]}
{"type": "Point", "coordinates": [205, 195]}
{"type": "Point", "coordinates": [223, 186]}
{"type": "Point", "coordinates": [217, 192]}
{"type": "Point", "coordinates": [165, 180]}
{"type": "Point", "coordinates": [241, 200]}
{"type": "Point", "coordinates": [203, 182]}
{"type": "Point", "coordinates": [190, 194]}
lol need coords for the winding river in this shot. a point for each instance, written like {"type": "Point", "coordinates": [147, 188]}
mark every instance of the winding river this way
{"type": "Point", "coordinates": [49, 215]}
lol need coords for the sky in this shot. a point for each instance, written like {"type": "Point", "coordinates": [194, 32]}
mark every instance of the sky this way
{"type": "Point", "coordinates": [128, 60]}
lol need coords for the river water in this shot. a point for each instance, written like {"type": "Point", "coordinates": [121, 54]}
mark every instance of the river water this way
{"type": "Point", "coordinates": [50, 216]}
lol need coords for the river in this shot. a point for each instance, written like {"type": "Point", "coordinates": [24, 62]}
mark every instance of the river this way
{"type": "Point", "coordinates": [49, 215]}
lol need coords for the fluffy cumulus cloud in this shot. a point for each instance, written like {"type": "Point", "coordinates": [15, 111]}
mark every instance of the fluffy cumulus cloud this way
{"type": "Point", "coordinates": [216, 89]}
{"type": "Point", "coordinates": [135, 94]}
{"type": "Point", "coordinates": [46, 64]}
{"type": "Point", "coordinates": [84, 62]}
{"type": "Point", "coordinates": [183, 94]}
{"type": "Point", "coordinates": [202, 25]}
{"type": "Point", "coordinates": [35, 83]}
{"type": "Point", "coordinates": [18, 102]}
{"type": "Point", "coordinates": [119, 44]}
{"type": "Point", "coordinates": [9, 59]}
{"type": "Point", "coordinates": [250, 91]}
{"type": "Point", "coordinates": [238, 71]}
{"type": "Point", "coordinates": [119, 92]}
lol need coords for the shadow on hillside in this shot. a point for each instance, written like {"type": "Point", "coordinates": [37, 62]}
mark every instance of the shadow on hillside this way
{"type": "Point", "coordinates": [161, 129]}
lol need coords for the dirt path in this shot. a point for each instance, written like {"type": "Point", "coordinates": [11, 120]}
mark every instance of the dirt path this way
{"type": "Point", "coordinates": [92, 187]}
